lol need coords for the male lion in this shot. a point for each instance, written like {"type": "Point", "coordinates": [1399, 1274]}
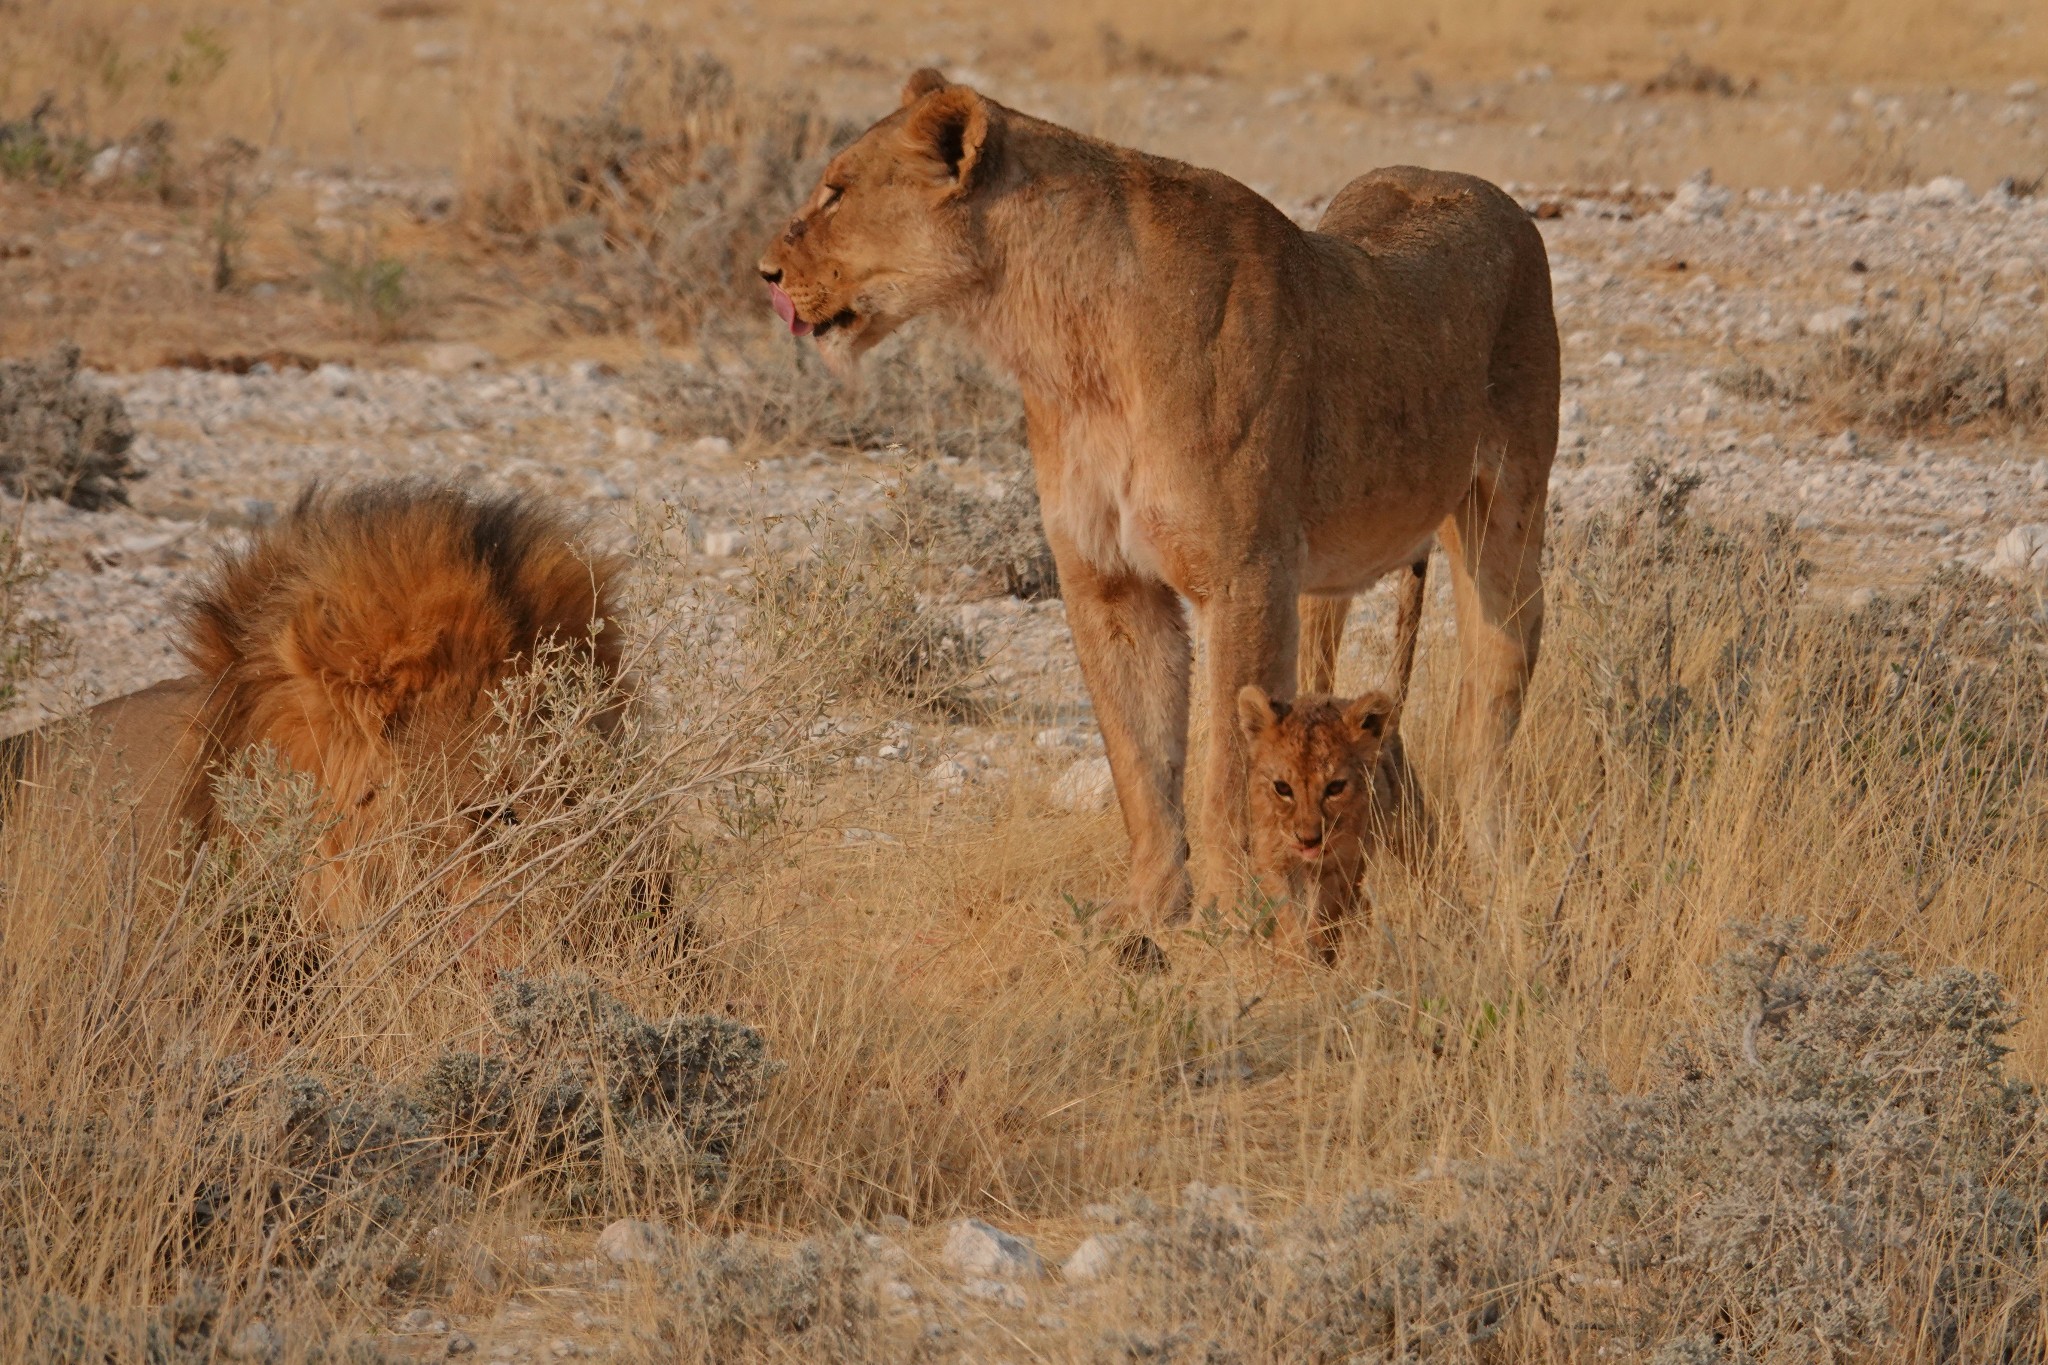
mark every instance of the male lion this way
{"type": "Point", "coordinates": [1222, 408]}
{"type": "Point", "coordinates": [365, 636]}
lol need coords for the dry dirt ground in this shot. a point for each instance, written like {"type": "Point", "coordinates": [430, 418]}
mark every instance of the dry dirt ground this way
{"type": "Point", "coordinates": [1841, 326]}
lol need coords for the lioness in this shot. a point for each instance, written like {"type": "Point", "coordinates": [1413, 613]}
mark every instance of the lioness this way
{"type": "Point", "coordinates": [365, 636]}
{"type": "Point", "coordinates": [1329, 784]}
{"type": "Point", "coordinates": [1222, 408]}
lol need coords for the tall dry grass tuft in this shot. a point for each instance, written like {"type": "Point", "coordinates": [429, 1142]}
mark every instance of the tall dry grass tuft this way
{"type": "Point", "coordinates": [1526, 1116]}
{"type": "Point", "coordinates": [658, 198]}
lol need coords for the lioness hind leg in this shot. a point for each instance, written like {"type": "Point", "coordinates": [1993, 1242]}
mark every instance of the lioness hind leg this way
{"type": "Point", "coordinates": [1133, 647]}
{"type": "Point", "coordinates": [1322, 635]}
{"type": "Point", "coordinates": [1495, 545]}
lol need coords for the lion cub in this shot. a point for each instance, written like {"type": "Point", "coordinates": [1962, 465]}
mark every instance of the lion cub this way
{"type": "Point", "coordinates": [1329, 784]}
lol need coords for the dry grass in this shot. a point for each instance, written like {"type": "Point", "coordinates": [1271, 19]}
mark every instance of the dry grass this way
{"type": "Point", "coordinates": [1830, 1161]}
{"type": "Point", "coordinates": [1913, 372]}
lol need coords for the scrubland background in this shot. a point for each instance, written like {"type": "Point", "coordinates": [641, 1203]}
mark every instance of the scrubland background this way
{"type": "Point", "coordinates": [1734, 1063]}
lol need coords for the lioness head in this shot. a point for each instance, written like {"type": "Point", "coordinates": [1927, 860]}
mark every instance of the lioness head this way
{"type": "Point", "coordinates": [1312, 765]}
{"type": "Point", "coordinates": [890, 231]}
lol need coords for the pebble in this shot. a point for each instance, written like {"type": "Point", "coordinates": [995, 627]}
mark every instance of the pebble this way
{"type": "Point", "coordinates": [948, 774]}
{"type": "Point", "coordinates": [258, 1341]}
{"type": "Point", "coordinates": [1093, 1259]}
{"type": "Point", "coordinates": [725, 544]}
{"type": "Point", "coordinates": [1699, 198]}
{"type": "Point", "coordinates": [1086, 785]}
{"type": "Point", "coordinates": [422, 1320]}
{"type": "Point", "coordinates": [634, 1241]}
{"type": "Point", "coordinates": [2022, 553]}
{"type": "Point", "coordinates": [635, 441]}
{"type": "Point", "coordinates": [1835, 322]}
{"type": "Point", "coordinates": [995, 1291]}
{"type": "Point", "coordinates": [976, 1248]}
{"type": "Point", "coordinates": [460, 1345]}
{"type": "Point", "coordinates": [455, 357]}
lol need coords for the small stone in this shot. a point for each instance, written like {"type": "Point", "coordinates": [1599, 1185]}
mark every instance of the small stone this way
{"type": "Point", "coordinates": [258, 1341]}
{"type": "Point", "coordinates": [899, 1291]}
{"type": "Point", "coordinates": [1944, 191]}
{"type": "Point", "coordinates": [2022, 90]}
{"type": "Point", "coordinates": [339, 380]}
{"type": "Point", "coordinates": [894, 1222]}
{"type": "Point", "coordinates": [948, 774]}
{"type": "Point", "coordinates": [1221, 1203]}
{"type": "Point", "coordinates": [853, 836]}
{"type": "Point", "coordinates": [1699, 198]}
{"type": "Point", "coordinates": [1846, 446]}
{"type": "Point", "coordinates": [2038, 476]}
{"type": "Point", "coordinates": [2022, 553]}
{"type": "Point", "coordinates": [725, 544]}
{"type": "Point", "coordinates": [460, 1345]}
{"type": "Point", "coordinates": [1093, 1259]}
{"type": "Point", "coordinates": [1086, 785]}
{"type": "Point", "coordinates": [977, 1248]}
{"type": "Point", "coordinates": [995, 1291]}
{"type": "Point", "coordinates": [1103, 1213]}
{"type": "Point", "coordinates": [1835, 322]}
{"type": "Point", "coordinates": [634, 1241]}
{"type": "Point", "coordinates": [436, 54]}
{"type": "Point", "coordinates": [635, 441]}
{"type": "Point", "coordinates": [422, 1320]}
{"type": "Point", "coordinates": [455, 357]}
{"type": "Point", "coordinates": [1860, 600]}
{"type": "Point", "coordinates": [708, 448]}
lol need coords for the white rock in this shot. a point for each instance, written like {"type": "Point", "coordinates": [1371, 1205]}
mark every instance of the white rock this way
{"type": "Point", "coordinates": [708, 448]}
{"type": "Point", "coordinates": [725, 544]}
{"type": "Point", "coordinates": [1846, 446]}
{"type": "Point", "coordinates": [635, 441]}
{"type": "Point", "coordinates": [634, 1241]}
{"type": "Point", "coordinates": [422, 1320]}
{"type": "Point", "coordinates": [1860, 600]}
{"type": "Point", "coordinates": [1086, 785]}
{"type": "Point", "coordinates": [1699, 198]}
{"type": "Point", "coordinates": [436, 54]}
{"type": "Point", "coordinates": [976, 1248]}
{"type": "Point", "coordinates": [2038, 476]}
{"type": "Point", "coordinates": [258, 1341]}
{"type": "Point", "coordinates": [1944, 191]}
{"type": "Point", "coordinates": [948, 774]}
{"type": "Point", "coordinates": [1223, 1203]}
{"type": "Point", "coordinates": [995, 1291]}
{"type": "Point", "coordinates": [2022, 90]}
{"type": "Point", "coordinates": [455, 357]}
{"type": "Point", "coordinates": [603, 487]}
{"type": "Point", "coordinates": [2022, 553]}
{"type": "Point", "coordinates": [339, 380]}
{"type": "Point", "coordinates": [117, 162]}
{"type": "Point", "coordinates": [1094, 1258]}
{"type": "Point", "coordinates": [1103, 1213]}
{"type": "Point", "coordinates": [853, 836]}
{"type": "Point", "coordinates": [1835, 322]}
{"type": "Point", "coordinates": [899, 1291]}
{"type": "Point", "coordinates": [1065, 737]}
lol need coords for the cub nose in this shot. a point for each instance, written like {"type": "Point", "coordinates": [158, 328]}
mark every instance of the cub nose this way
{"type": "Point", "coordinates": [1312, 840]}
{"type": "Point", "coordinates": [771, 273]}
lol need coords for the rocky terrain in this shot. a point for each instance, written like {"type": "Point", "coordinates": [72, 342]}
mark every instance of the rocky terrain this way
{"type": "Point", "coordinates": [1664, 303]}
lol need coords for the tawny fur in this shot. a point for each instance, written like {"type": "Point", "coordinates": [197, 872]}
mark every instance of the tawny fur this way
{"type": "Point", "coordinates": [1329, 785]}
{"type": "Point", "coordinates": [363, 636]}
{"type": "Point", "coordinates": [1223, 409]}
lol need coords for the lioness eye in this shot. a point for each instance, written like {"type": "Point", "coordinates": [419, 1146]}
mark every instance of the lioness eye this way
{"type": "Point", "coordinates": [832, 193]}
{"type": "Point", "coordinates": [1335, 788]}
{"type": "Point", "coordinates": [1283, 789]}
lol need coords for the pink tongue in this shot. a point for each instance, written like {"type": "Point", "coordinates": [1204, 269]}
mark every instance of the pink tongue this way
{"type": "Point", "coordinates": [786, 310]}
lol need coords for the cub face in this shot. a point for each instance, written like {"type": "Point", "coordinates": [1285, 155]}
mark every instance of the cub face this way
{"type": "Point", "coordinates": [889, 231]}
{"type": "Point", "coordinates": [1311, 773]}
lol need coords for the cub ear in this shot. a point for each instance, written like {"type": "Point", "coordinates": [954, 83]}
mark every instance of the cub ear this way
{"type": "Point", "coordinates": [951, 127]}
{"type": "Point", "coordinates": [1256, 710]}
{"type": "Point", "coordinates": [923, 81]}
{"type": "Point", "coordinates": [1372, 715]}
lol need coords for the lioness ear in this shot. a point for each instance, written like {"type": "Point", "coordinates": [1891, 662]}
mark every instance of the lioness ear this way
{"type": "Point", "coordinates": [1256, 710]}
{"type": "Point", "coordinates": [951, 127]}
{"type": "Point", "coordinates": [922, 82]}
{"type": "Point", "coordinates": [1371, 715]}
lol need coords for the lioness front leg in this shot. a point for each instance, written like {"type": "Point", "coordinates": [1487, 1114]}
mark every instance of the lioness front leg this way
{"type": "Point", "coordinates": [1249, 635]}
{"type": "Point", "coordinates": [1132, 642]}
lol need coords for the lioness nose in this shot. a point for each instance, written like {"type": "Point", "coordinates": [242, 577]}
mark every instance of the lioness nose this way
{"type": "Point", "coordinates": [1312, 840]}
{"type": "Point", "coordinates": [770, 273]}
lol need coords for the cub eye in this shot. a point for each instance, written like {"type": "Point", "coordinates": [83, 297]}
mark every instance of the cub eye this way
{"type": "Point", "coordinates": [1335, 788]}
{"type": "Point", "coordinates": [1283, 789]}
